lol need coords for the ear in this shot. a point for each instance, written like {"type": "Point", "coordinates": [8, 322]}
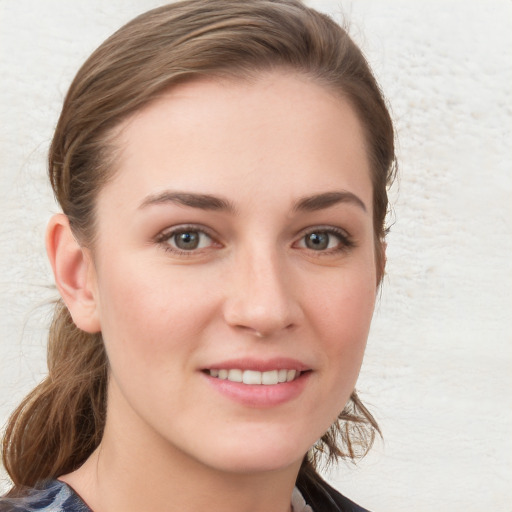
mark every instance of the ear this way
{"type": "Point", "coordinates": [74, 273]}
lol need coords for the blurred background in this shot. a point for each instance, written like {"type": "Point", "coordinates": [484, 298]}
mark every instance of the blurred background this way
{"type": "Point", "coordinates": [438, 370]}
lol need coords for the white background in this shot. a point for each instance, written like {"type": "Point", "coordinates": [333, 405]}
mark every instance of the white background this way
{"type": "Point", "coordinates": [438, 371]}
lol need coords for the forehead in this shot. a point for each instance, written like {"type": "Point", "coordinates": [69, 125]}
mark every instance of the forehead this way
{"type": "Point", "coordinates": [209, 133]}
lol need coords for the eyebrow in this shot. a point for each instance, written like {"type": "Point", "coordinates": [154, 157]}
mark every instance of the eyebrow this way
{"type": "Point", "coordinates": [326, 200]}
{"type": "Point", "coordinates": [215, 203]}
{"type": "Point", "coordinates": [201, 201]}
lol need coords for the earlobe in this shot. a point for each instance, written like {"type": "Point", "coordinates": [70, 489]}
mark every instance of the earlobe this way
{"type": "Point", "coordinates": [74, 273]}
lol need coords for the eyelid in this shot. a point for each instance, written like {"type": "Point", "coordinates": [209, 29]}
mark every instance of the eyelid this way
{"type": "Point", "coordinates": [346, 240]}
{"type": "Point", "coordinates": [166, 234]}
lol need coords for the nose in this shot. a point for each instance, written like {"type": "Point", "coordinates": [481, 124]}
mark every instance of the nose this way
{"type": "Point", "coordinates": [260, 298]}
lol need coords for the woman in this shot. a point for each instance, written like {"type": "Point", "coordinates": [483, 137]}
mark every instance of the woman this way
{"type": "Point", "coordinates": [222, 169]}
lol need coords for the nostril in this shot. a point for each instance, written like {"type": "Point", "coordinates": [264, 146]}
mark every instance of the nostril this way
{"type": "Point", "coordinates": [251, 330]}
{"type": "Point", "coordinates": [261, 333]}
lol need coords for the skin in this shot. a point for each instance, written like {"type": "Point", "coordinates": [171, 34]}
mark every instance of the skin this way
{"type": "Point", "coordinates": [253, 289]}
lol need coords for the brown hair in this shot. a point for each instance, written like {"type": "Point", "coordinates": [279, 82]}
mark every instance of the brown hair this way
{"type": "Point", "coordinates": [61, 422]}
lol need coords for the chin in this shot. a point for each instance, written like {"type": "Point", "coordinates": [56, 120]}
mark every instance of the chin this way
{"type": "Point", "coordinates": [252, 455]}
{"type": "Point", "coordinates": [260, 463]}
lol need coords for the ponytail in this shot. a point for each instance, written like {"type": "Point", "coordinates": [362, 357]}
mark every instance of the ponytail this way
{"type": "Point", "coordinates": [60, 423]}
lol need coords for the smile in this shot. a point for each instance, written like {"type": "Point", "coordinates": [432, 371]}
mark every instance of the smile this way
{"type": "Point", "coordinates": [254, 377]}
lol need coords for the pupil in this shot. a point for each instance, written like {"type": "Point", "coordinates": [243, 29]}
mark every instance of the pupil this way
{"type": "Point", "coordinates": [317, 241]}
{"type": "Point", "coordinates": [188, 240]}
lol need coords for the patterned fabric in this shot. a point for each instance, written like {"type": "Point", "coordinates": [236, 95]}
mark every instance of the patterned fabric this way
{"type": "Point", "coordinates": [55, 496]}
{"type": "Point", "coordinates": [51, 496]}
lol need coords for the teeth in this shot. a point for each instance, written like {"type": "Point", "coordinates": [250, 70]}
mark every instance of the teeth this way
{"type": "Point", "coordinates": [251, 377]}
{"type": "Point", "coordinates": [290, 375]}
{"type": "Point", "coordinates": [281, 375]}
{"type": "Point", "coordinates": [235, 375]}
{"type": "Point", "coordinates": [268, 378]}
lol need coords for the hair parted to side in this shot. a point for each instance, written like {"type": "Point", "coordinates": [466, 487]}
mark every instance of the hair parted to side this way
{"type": "Point", "coordinates": [61, 422]}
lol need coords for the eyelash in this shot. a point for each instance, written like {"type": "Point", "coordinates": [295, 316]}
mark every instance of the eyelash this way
{"type": "Point", "coordinates": [164, 239]}
{"type": "Point", "coordinates": [345, 240]}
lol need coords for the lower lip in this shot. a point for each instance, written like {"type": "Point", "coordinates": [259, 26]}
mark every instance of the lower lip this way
{"type": "Point", "coordinates": [259, 395]}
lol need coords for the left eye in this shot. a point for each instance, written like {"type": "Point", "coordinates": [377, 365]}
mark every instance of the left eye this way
{"type": "Point", "coordinates": [322, 240]}
{"type": "Point", "coordinates": [188, 240]}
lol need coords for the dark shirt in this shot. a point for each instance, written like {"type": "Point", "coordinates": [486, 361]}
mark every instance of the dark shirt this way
{"type": "Point", "coordinates": [323, 498]}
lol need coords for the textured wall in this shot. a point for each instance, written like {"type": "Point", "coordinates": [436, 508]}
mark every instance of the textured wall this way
{"type": "Point", "coordinates": [439, 362]}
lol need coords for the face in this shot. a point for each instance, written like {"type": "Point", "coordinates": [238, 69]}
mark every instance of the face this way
{"type": "Point", "coordinates": [235, 273]}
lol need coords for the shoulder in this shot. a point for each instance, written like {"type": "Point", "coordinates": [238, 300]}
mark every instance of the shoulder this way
{"type": "Point", "coordinates": [324, 498]}
{"type": "Point", "coordinates": [51, 496]}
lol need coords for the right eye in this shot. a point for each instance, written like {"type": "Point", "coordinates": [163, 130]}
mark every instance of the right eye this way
{"type": "Point", "coordinates": [190, 240]}
{"type": "Point", "coordinates": [184, 239]}
{"type": "Point", "coordinates": [325, 240]}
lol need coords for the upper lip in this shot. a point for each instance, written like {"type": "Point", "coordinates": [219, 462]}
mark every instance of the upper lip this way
{"type": "Point", "coordinates": [261, 365]}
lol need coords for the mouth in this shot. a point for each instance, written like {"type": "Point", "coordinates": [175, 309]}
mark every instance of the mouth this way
{"type": "Point", "coordinates": [260, 384]}
{"type": "Point", "coordinates": [255, 377]}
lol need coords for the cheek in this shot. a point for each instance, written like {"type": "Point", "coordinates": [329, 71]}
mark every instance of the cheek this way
{"type": "Point", "coordinates": [144, 316]}
{"type": "Point", "coordinates": [151, 329]}
{"type": "Point", "coordinates": [345, 301]}
{"type": "Point", "coordinates": [342, 317]}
